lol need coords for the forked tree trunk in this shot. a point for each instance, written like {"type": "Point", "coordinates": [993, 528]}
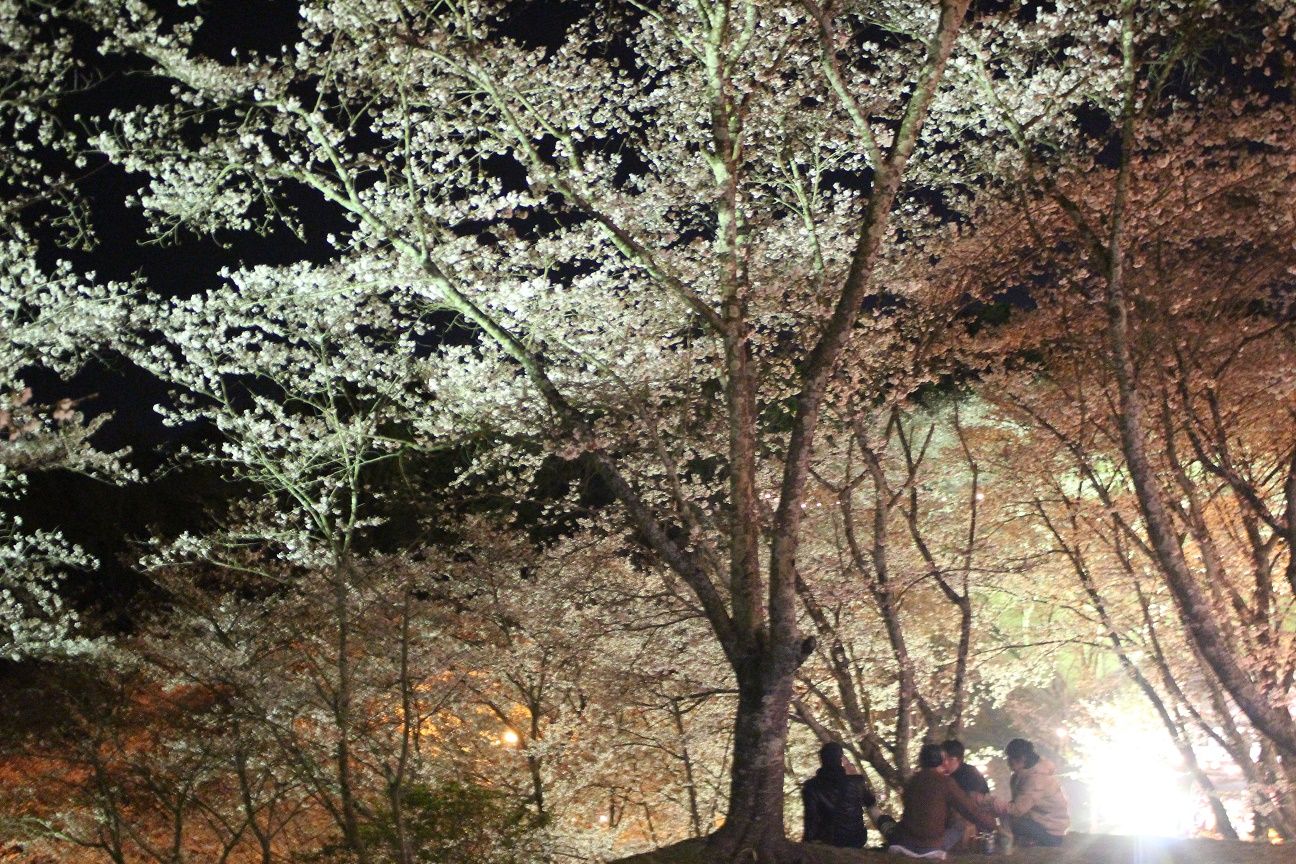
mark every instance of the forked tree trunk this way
{"type": "Point", "coordinates": [759, 633]}
{"type": "Point", "coordinates": [766, 654]}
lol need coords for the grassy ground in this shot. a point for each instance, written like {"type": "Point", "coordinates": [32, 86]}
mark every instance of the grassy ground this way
{"type": "Point", "coordinates": [1079, 849]}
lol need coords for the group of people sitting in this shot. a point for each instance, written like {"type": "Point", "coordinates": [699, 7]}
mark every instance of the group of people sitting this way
{"type": "Point", "coordinates": [946, 802]}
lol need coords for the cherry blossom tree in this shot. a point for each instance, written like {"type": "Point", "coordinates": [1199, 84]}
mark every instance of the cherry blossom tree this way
{"type": "Point", "coordinates": [914, 534]}
{"type": "Point", "coordinates": [656, 244]}
{"type": "Point", "coordinates": [303, 411]}
{"type": "Point", "coordinates": [1209, 287]}
{"type": "Point", "coordinates": [587, 664]}
{"type": "Point", "coordinates": [1182, 427]}
{"type": "Point", "coordinates": [52, 318]}
{"type": "Point", "coordinates": [372, 714]}
{"type": "Point", "coordinates": [485, 183]}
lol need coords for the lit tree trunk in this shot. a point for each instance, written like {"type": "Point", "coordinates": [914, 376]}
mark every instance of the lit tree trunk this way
{"type": "Point", "coordinates": [263, 836]}
{"type": "Point", "coordinates": [1272, 805]}
{"type": "Point", "coordinates": [907, 695]}
{"type": "Point", "coordinates": [754, 823]}
{"type": "Point", "coordinates": [535, 767]}
{"type": "Point", "coordinates": [112, 835]}
{"type": "Point", "coordinates": [342, 696]}
{"type": "Point", "coordinates": [960, 597]}
{"type": "Point", "coordinates": [963, 598]}
{"type": "Point", "coordinates": [1222, 728]}
{"type": "Point", "coordinates": [686, 760]}
{"type": "Point", "coordinates": [1275, 723]}
{"type": "Point", "coordinates": [396, 777]}
{"type": "Point", "coordinates": [764, 656]}
{"type": "Point", "coordinates": [763, 673]}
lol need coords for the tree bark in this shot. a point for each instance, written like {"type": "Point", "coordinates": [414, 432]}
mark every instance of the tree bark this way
{"type": "Point", "coordinates": [350, 821]}
{"type": "Point", "coordinates": [754, 830]}
{"type": "Point", "coordinates": [690, 779]}
{"type": "Point", "coordinates": [766, 657]}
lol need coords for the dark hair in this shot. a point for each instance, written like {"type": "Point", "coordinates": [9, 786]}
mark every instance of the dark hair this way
{"type": "Point", "coordinates": [1020, 748]}
{"type": "Point", "coordinates": [931, 756]}
{"type": "Point", "coordinates": [954, 747]}
{"type": "Point", "coordinates": [830, 756]}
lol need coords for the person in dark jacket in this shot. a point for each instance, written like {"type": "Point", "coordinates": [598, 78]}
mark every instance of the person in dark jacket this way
{"type": "Point", "coordinates": [967, 777]}
{"type": "Point", "coordinates": [932, 799]}
{"type": "Point", "coordinates": [835, 801]}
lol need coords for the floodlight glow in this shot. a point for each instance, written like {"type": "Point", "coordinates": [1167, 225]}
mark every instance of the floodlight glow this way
{"type": "Point", "coordinates": [510, 737]}
{"type": "Point", "coordinates": [1136, 780]}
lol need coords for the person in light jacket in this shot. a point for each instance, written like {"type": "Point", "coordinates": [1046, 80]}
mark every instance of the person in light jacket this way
{"type": "Point", "coordinates": [1038, 813]}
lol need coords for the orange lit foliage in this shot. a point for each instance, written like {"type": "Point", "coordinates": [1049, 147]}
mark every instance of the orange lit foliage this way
{"type": "Point", "coordinates": [1209, 245]}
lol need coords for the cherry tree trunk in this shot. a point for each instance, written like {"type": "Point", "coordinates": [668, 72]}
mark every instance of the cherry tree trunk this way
{"type": "Point", "coordinates": [753, 830]}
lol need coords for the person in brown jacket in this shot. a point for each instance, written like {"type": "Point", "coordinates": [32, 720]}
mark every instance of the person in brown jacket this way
{"type": "Point", "coordinates": [1037, 813]}
{"type": "Point", "coordinates": [931, 798]}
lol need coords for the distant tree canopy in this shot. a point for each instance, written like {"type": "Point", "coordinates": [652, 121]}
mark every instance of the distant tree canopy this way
{"type": "Point", "coordinates": [841, 322]}
{"type": "Point", "coordinates": [51, 317]}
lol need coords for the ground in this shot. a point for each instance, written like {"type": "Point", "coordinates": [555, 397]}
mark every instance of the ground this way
{"type": "Point", "coordinates": [1079, 849]}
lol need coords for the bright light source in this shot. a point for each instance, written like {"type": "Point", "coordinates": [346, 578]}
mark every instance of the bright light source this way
{"type": "Point", "coordinates": [510, 737]}
{"type": "Point", "coordinates": [1136, 780]}
{"type": "Point", "coordinates": [603, 819]}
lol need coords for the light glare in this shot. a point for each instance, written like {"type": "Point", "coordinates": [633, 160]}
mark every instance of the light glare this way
{"type": "Point", "coordinates": [1136, 781]}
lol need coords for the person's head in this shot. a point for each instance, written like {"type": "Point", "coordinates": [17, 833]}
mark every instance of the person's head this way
{"type": "Point", "coordinates": [1020, 754]}
{"type": "Point", "coordinates": [954, 751]}
{"type": "Point", "coordinates": [931, 756]}
{"type": "Point", "coordinates": [832, 757]}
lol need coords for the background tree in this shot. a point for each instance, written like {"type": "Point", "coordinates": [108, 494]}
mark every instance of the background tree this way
{"type": "Point", "coordinates": [669, 256]}
{"type": "Point", "coordinates": [52, 317]}
{"type": "Point", "coordinates": [913, 514]}
{"type": "Point", "coordinates": [1210, 282]}
{"type": "Point", "coordinates": [585, 664]}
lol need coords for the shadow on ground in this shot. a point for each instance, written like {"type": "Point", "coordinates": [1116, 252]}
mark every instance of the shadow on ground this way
{"type": "Point", "coordinates": [1079, 849]}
